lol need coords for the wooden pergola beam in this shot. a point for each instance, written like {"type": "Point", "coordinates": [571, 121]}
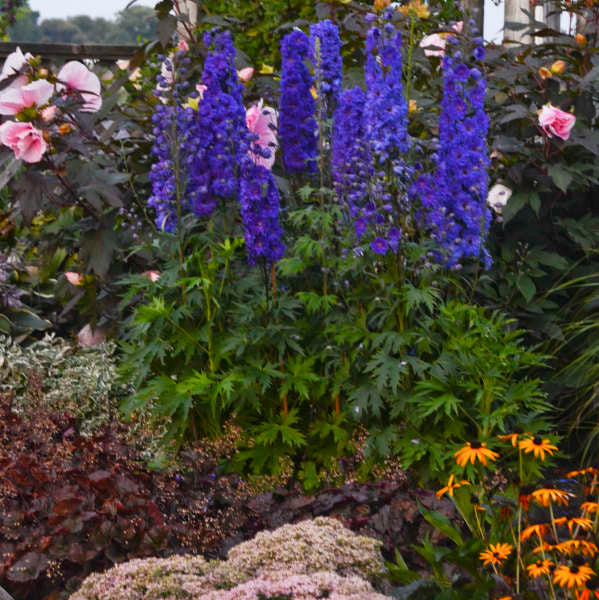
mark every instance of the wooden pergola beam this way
{"type": "Point", "coordinates": [73, 51]}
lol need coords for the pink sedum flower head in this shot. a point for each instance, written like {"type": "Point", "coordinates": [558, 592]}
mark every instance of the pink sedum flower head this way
{"type": "Point", "coordinates": [24, 140]}
{"type": "Point", "coordinates": [554, 121]}
{"type": "Point", "coordinates": [75, 75]}
{"type": "Point", "coordinates": [183, 45]}
{"type": "Point", "coordinates": [13, 63]}
{"type": "Point", "coordinates": [14, 100]}
{"type": "Point", "coordinates": [245, 74]}
{"type": "Point", "coordinates": [262, 120]}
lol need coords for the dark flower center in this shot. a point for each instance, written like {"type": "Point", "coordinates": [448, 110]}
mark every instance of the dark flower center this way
{"type": "Point", "coordinates": [537, 441]}
{"type": "Point", "coordinates": [475, 445]}
{"type": "Point", "coordinates": [592, 583]}
{"type": "Point", "coordinates": [495, 554]}
{"type": "Point", "coordinates": [574, 569]}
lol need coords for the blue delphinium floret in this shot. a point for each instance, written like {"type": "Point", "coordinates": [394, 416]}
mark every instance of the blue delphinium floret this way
{"type": "Point", "coordinates": [328, 65]}
{"type": "Point", "coordinates": [222, 118]}
{"type": "Point", "coordinates": [297, 126]}
{"type": "Point", "coordinates": [379, 199]}
{"type": "Point", "coordinates": [162, 178]}
{"type": "Point", "coordinates": [259, 199]}
{"type": "Point", "coordinates": [454, 197]}
{"type": "Point", "coordinates": [386, 106]}
{"type": "Point", "coordinates": [350, 154]}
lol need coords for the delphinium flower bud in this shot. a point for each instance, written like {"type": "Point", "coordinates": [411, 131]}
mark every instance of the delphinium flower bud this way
{"type": "Point", "coordinates": [259, 199]}
{"type": "Point", "coordinates": [325, 45]}
{"type": "Point", "coordinates": [454, 198]}
{"type": "Point", "coordinates": [297, 126]}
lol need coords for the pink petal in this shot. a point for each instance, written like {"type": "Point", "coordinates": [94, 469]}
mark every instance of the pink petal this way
{"type": "Point", "coordinates": [11, 101]}
{"type": "Point", "coordinates": [77, 76]}
{"type": "Point", "coordinates": [37, 92]}
{"type": "Point", "coordinates": [33, 148]}
{"type": "Point", "coordinates": [13, 63]}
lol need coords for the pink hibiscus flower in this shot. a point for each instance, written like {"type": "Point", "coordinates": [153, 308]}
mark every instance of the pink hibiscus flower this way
{"type": "Point", "coordinates": [262, 120]}
{"type": "Point", "coordinates": [13, 63]}
{"type": "Point", "coordinates": [15, 99]}
{"type": "Point", "coordinates": [438, 40]}
{"type": "Point", "coordinates": [24, 140]}
{"type": "Point", "coordinates": [75, 75]}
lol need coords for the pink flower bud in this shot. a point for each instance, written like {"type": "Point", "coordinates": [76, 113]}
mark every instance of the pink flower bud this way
{"type": "Point", "coordinates": [245, 74]}
{"type": "Point", "coordinates": [48, 113]}
{"type": "Point", "coordinates": [152, 275]}
{"type": "Point", "coordinates": [74, 278]}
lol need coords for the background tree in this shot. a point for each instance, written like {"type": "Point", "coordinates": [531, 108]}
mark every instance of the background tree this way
{"type": "Point", "coordinates": [130, 27]}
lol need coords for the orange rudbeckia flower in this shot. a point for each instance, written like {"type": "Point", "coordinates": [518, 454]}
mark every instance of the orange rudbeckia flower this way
{"type": "Point", "coordinates": [451, 486]}
{"type": "Point", "coordinates": [474, 451]}
{"type": "Point", "coordinates": [546, 495]}
{"type": "Point", "coordinates": [495, 554]}
{"type": "Point", "coordinates": [537, 445]}
{"type": "Point", "coordinates": [572, 576]}
{"type": "Point", "coordinates": [541, 567]}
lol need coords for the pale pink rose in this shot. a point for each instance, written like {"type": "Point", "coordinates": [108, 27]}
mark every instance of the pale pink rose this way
{"type": "Point", "coordinates": [262, 120]}
{"type": "Point", "coordinates": [14, 100]}
{"type": "Point", "coordinates": [246, 74]}
{"type": "Point", "coordinates": [13, 63]}
{"type": "Point", "coordinates": [74, 278]}
{"type": "Point", "coordinates": [554, 121]}
{"type": "Point", "coordinates": [75, 75]}
{"type": "Point", "coordinates": [439, 40]}
{"type": "Point", "coordinates": [48, 113]}
{"type": "Point", "coordinates": [90, 337]}
{"type": "Point", "coordinates": [183, 45]}
{"type": "Point", "coordinates": [152, 275]}
{"type": "Point", "coordinates": [24, 140]}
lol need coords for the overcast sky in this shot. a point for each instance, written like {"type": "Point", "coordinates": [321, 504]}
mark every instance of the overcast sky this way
{"type": "Point", "coordinates": [52, 9]}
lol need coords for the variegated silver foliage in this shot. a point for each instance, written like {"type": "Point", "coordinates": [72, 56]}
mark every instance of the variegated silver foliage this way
{"type": "Point", "coordinates": [54, 373]}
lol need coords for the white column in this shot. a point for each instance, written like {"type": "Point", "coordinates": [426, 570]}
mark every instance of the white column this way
{"type": "Point", "coordinates": [514, 14]}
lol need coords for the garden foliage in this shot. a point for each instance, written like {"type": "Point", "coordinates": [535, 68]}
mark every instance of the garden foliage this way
{"type": "Point", "coordinates": [320, 282]}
